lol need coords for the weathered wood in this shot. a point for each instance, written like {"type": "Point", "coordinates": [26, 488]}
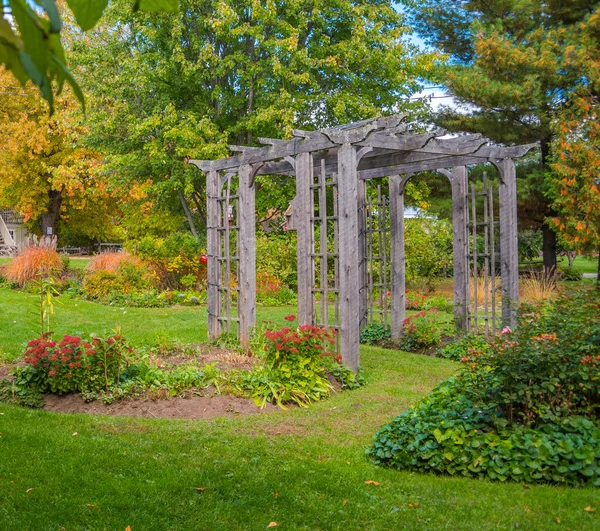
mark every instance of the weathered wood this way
{"type": "Point", "coordinates": [398, 270]}
{"type": "Point", "coordinates": [348, 259]}
{"type": "Point", "coordinates": [362, 252]}
{"type": "Point", "coordinates": [460, 236]}
{"type": "Point", "coordinates": [213, 252]}
{"type": "Point", "coordinates": [509, 258]}
{"type": "Point", "coordinates": [247, 255]}
{"type": "Point", "coordinates": [302, 212]}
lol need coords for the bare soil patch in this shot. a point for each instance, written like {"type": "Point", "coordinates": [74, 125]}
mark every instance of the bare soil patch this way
{"type": "Point", "coordinates": [191, 407]}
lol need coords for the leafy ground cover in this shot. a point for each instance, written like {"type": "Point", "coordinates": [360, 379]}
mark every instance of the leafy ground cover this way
{"type": "Point", "coordinates": [525, 408]}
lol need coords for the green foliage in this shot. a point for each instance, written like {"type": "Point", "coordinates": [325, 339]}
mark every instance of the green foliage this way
{"type": "Point", "coordinates": [174, 260]}
{"type": "Point", "coordinates": [294, 368]}
{"type": "Point", "coordinates": [35, 51]}
{"type": "Point", "coordinates": [18, 393]}
{"type": "Point", "coordinates": [276, 259]}
{"type": "Point", "coordinates": [423, 330]}
{"type": "Point", "coordinates": [74, 364]}
{"type": "Point", "coordinates": [439, 302]}
{"type": "Point", "coordinates": [526, 407]}
{"type": "Point", "coordinates": [569, 273]}
{"type": "Point", "coordinates": [530, 245]}
{"type": "Point", "coordinates": [428, 247]}
{"type": "Point", "coordinates": [234, 72]}
{"type": "Point", "coordinates": [129, 278]}
{"type": "Point", "coordinates": [451, 434]}
{"type": "Point", "coordinates": [373, 333]}
{"type": "Point", "coordinates": [463, 347]}
{"type": "Point", "coordinates": [346, 377]}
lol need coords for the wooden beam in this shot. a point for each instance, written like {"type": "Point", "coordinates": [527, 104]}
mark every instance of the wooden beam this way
{"type": "Point", "coordinates": [247, 254]}
{"type": "Point", "coordinates": [348, 259]}
{"type": "Point", "coordinates": [509, 256]}
{"type": "Point", "coordinates": [213, 251]}
{"type": "Point", "coordinates": [396, 185]}
{"type": "Point", "coordinates": [460, 239]}
{"type": "Point", "coordinates": [302, 212]}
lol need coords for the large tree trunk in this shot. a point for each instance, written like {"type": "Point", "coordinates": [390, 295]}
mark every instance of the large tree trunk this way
{"type": "Point", "coordinates": [549, 243]}
{"type": "Point", "coordinates": [51, 217]}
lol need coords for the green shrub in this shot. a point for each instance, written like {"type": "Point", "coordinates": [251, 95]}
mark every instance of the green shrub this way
{"type": "Point", "coordinates": [130, 277]}
{"type": "Point", "coordinates": [569, 273]}
{"type": "Point", "coordinates": [526, 407]}
{"type": "Point", "coordinates": [463, 347]}
{"type": "Point", "coordinates": [451, 434]}
{"type": "Point", "coordinates": [276, 257]}
{"type": "Point", "coordinates": [423, 330]}
{"type": "Point", "coordinates": [373, 333]}
{"type": "Point", "coordinates": [438, 302]}
{"type": "Point", "coordinates": [176, 261]}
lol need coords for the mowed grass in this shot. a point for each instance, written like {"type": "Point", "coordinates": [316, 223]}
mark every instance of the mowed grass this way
{"type": "Point", "coordinates": [585, 264]}
{"type": "Point", "coordinates": [302, 469]}
{"type": "Point", "coordinates": [19, 321]}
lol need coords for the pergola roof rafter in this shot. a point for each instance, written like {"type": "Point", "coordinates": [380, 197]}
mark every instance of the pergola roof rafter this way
{"type": "Point", "coordinates": [393, 149]}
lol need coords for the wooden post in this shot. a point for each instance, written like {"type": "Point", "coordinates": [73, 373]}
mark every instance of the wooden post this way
{"type": "Point", "coordinates": [460, 235]}
{"type": "Point", "coordinates": [305, 246]}
{"type": "Point", "coordinates": [509, 257]}
{"type": "Point", "coordinates": [247, 254]}
{"type": "Point", "coordinates": [361, 197]}
{"type": "Point", "coordinates": [213, 250]}
{"type": "Point", "coordinates": [398, 255]}
{"type": "Point", "coordinates": [348, 246]}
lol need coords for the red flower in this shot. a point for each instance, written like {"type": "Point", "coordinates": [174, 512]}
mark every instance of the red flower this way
{"type": "Point", "coordinates": [52, 373]}
{"type": "Point", "coordinates": [290, 318]}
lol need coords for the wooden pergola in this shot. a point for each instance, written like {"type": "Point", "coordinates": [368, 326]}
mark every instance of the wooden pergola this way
{"type": "Point", "coordinates": [332, 166]}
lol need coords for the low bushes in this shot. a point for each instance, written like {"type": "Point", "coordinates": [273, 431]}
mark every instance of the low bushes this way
{"type": "Point", "coordinates": [526, 407]}
{"type": "Point", "coordinates": [424, 330]}
{"type": "Point", "coordinates": [115, 273]}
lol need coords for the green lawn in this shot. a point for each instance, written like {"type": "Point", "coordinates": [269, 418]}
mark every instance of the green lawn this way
{"type": "Point", "coordinates": [303, 469]}
{"type": "Point", "coordinates": [581, 263]}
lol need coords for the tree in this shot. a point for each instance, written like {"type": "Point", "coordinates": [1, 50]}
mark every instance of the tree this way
{"type": "Point", "coordinates": [30, 44]}
{"type": "Point", "coordinates": [574, 180]}
{"type": "Point", "coordinates": [44, 174]}
{"type": "Point", "coordinates": [220, 72]}
{"type": "Point", "coordinates": [509, 67]}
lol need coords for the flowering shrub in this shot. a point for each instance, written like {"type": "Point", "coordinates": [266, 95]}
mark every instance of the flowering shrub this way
{"type": "Point", "coordinates": [423, 330]}
{"type": "Point", "coordinates": [526, 407]}
{"type": "Point", "coordinates": [74, 364]}
{"type": "Point", "coordinates": [295, 369]}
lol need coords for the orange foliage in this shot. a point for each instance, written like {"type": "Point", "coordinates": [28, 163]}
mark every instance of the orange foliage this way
{"type": "Point", "coordinates": [32, 263]}
{"type": "Point", "coordinates": [112, 261]}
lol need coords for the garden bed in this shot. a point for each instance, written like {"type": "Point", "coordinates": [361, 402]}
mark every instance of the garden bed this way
{"type": "Point", "coordinates": [194, 405]}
